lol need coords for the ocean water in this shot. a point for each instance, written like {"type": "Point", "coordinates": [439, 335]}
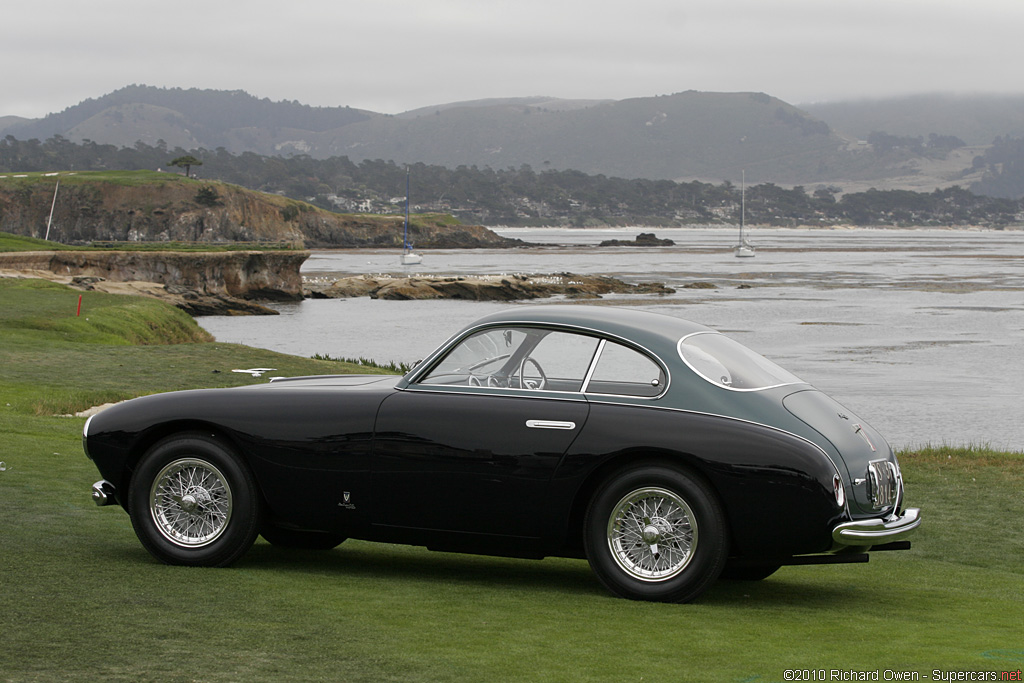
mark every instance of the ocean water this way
{"type": "Point", "coordinates": [921, 332]}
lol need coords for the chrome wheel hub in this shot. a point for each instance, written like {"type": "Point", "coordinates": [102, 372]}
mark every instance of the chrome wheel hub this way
{"type": "Point", "coordinates": [652, 534]}
{"type": "Point", "coordinates": [190, 502]}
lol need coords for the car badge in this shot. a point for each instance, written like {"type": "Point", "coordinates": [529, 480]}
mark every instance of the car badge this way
{"type": "Point", "coordinates": [858, 429]}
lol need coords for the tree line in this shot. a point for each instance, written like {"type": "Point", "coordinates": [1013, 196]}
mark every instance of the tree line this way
{"type": "Point", "coordinates": [1003, 164]}
{"type": "Point", "coordinates": [522, 196]}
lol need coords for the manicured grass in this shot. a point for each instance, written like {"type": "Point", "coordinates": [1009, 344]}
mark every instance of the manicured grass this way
{"type": "Point", "coordinates": [9, 242]}
{"type": "Point", "coordinates": [54, 361]}
{"type": "Point", "coordinates": [118, 177]}
{"type": "Point", "coordinates": [81, 600]}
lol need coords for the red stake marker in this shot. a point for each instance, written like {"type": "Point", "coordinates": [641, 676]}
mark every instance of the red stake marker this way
{"type": "Point", "coordinates": [79, 306]}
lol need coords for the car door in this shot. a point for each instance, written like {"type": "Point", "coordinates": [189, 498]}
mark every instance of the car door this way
{"type": "Point", "coordinates": [471, 447]}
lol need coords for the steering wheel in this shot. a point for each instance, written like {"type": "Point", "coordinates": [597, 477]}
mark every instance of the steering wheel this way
{"type": "Point", "coordinates": [535, 384]}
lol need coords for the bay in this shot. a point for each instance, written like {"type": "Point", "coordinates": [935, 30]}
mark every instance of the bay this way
{"type": "Point", "coordinates": [921, 332]}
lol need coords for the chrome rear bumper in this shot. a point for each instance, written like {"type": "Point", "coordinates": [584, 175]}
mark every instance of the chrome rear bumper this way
{"type": "Point", "coordinates": [877, 531]}
{"type": "Point", "coordinates": [104, 493]}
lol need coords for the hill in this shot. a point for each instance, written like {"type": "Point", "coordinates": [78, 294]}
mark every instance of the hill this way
{"type": "Point", "coordinates": [682, 136]}
{"type": "Point", "coordinates": [147, 206]}
{"type": "Point", "coordinates": [686, 136]}
{"type": "Point", "coordinates": [211, 118]}
{"type": "Point", "coordinates": [690, 135]}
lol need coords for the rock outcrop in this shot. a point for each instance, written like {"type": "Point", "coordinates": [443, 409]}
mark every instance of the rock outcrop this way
{"type": "Point", "coordinates": [165, 207]}
{"type": "Point", "coordinates": [481, 288]}
{"type": "Point", "coordinates": [202, 283]}
{"type": "Point", "coordinates": [644, 239]}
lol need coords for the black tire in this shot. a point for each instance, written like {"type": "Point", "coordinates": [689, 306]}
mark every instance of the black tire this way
{"type": "Point", "coordinates": [300, 540]}
{"type": "Point", "coordinates": [193, 501]}
{"type": "Point", "coordinates": [749, 572]}
{"type": "Point", "coordinates": [655, 533]}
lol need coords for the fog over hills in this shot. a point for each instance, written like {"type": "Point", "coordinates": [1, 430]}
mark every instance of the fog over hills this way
{"type": "Point", "coordinates": [976, 119]}
{"type": "Point", "coordinates": [684, 136]}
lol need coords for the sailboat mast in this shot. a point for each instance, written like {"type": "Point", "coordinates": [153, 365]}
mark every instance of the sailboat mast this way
{"type": "Point", "coordinates": [743, 202]}
{"type": "Point", "coordinates": [405, 235]}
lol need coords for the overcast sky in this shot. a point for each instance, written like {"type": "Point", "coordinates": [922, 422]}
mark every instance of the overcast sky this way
{"type": "Point", "coordinates": [392, 56]}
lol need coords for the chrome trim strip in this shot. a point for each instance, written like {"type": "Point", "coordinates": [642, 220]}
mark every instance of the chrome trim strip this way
{"type": "Point", "coordinates": [423, 367]}
{"type": "Point", "coordinates": [877, 531]}
{"type": "Point", "coordinates": [593, 365]}
{"type": "Point", "coordinates": [465, 390]}
{"type": "Point", "coordinates": [679, 352]}
{"type": "Point", "coordinates": [85, 436]}
{"type": "Point", "coordinates": [550, 424]}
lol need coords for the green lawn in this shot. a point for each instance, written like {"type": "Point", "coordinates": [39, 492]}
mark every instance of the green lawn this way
{"type": "Point", "coordinates": [81, 600]}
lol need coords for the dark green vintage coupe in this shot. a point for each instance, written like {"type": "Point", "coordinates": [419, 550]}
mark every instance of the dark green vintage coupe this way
{"type": "Point", "coordinates": [665, 453]}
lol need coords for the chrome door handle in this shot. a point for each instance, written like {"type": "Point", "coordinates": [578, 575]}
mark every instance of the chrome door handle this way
{"type": "Point", "coordinates": [550, 424]}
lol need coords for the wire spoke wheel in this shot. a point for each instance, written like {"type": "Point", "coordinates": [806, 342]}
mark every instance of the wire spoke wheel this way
{"type": "Point", "coordinates": [652, 534]}
{"type": "Point", "coordinates": [655, 532]}
{"type": "Point", "coordinates": [193, 501]}
{"type": "Point", "coordinates": [190, 501]}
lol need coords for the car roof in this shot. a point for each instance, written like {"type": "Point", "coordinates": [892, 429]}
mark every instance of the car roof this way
{"type": "Point", "coordinates": [646, 328]}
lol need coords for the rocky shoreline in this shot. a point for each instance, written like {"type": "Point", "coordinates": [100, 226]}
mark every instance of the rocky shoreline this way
{"type": "Point", "coordinates": [479, 288]}
{"type": "Point", "coordinates": [237, 283]}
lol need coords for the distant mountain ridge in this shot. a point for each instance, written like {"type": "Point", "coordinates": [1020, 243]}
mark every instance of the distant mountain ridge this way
{"type": "Point", "coordinates": [212, 112]}
{"type": "Point", "coordinates": [680, 136]}
{"type": "Point", "coordinates": [685, 136]}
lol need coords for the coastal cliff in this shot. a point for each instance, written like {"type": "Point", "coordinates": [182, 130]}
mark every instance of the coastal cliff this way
{"type": "Point", "coordinates": [201, 283]}
{"type": "Point", "coordinates": [146, 206]}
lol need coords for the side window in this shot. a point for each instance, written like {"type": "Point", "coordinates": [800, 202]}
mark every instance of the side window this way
{"type": "Point", "coordinates": [479, 359]}
{"type": "Point", "coordinates": [517, 358]}
{"type": "Point", "coordinates": [622, 371]}
{"type": "Point", "coordinates": [562, 358]}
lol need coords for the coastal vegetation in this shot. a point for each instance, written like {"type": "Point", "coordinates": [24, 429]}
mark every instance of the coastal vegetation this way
{"type": "Point", "coordinates": [10, 242]}
{"type": "Point", "coordinates": [115, 209]}
{"type": "Point", "coordinates": [82, 600]}
{"type": "Point", "coordinates": [374, 190]}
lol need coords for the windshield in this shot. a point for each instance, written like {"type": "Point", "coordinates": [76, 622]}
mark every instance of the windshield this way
{"type": "Point", "coordinates": [727, 363]}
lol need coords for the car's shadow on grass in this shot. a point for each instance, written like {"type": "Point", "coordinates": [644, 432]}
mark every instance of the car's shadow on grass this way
{"type": "Point", "coordinates": [386, 563]}
{"type": "Point", "coordinates": [779, 590]}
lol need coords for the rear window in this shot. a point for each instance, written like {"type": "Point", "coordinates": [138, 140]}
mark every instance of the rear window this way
{"type": "Point", "coordinates": [729, 364]}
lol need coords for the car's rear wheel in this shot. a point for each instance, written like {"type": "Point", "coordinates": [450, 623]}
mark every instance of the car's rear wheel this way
{"type": "Point", "coordinates": [655, 533]}
{"type": "Point", "coordinates": [193, 501]}
{"type": "Point", "coordinates": [302, 540]}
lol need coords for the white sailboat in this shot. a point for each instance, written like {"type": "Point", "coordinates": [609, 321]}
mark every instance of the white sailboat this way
{"type": "Point", "coordinates": [409, 257]}
{"type": "Point", "coordinates": [744, 249]}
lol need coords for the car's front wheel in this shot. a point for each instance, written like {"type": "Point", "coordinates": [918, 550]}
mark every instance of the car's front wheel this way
{"type": "Point", "coordinates": [193, 501]}
{"type": "Point", "coordinates": [655, 533]}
